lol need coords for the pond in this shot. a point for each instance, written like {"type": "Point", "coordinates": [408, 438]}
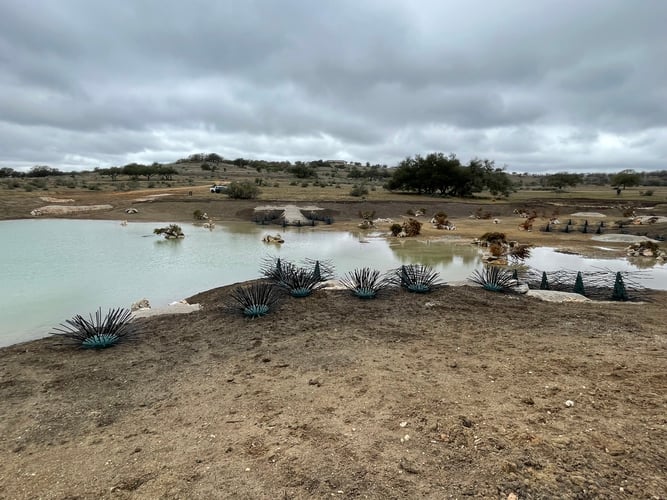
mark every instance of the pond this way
{"type": "Point", "coordinates": [53, 269]}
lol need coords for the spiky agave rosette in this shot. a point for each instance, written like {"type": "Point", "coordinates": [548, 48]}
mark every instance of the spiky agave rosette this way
{"type": "Point", "coordinates": [300, 282]}
{"type": "Point", "coordinates": [256, 299]}
{"type": "Point", "coordinates": [322, 270]}
{"type": "Point", "coordinates": [365, 283]}
{"type": "Point", "coordinates": [273, 268]}
{"type": "Point", "coordinates": [493, 278]}
{"type": "Point", "coordinates": [417, 278]}
{"type": "Point", "coordinates": [99, 332]}
{"type": "Point", "coordinates": [296, 280]}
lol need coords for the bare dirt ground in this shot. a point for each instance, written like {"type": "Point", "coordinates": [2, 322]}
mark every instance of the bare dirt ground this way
{"type": "Point", "coordinates": [455, 394]}
{"type": "Point", "coordinates": [460, 393]}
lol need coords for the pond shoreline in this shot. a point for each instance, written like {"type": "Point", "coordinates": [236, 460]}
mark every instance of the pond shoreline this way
{"type": "Point", "coordinates": [406, 395]}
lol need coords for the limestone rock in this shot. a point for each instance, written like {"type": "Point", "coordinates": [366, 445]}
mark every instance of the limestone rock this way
{"type": "Point", "coordinates": [141, 304]}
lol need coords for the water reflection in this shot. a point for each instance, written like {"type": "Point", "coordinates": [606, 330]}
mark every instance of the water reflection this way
{"type": "Point", "coordinates": [53, 269]}
{"type": "Point", "coordinates": [644, 262]}
{"type": "Point", "coordinates": [547, 259]}
{"type": "Point", "coordinates": [439, 254]}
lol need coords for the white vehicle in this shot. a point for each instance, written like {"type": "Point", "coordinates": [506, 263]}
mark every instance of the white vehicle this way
{"type": "Point", "coordinates": [218, 188]}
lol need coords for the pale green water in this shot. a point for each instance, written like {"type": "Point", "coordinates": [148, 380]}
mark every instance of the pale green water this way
{"type": "Point", "coordinates": [54, 269]}
{"type": "Point", "coordinates": [51, 270]}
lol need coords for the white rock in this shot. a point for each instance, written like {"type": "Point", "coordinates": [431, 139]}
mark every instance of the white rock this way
{"type": "Point", "coordinates": [569, 403]}
{"type": "Point", "coordinates": [141, 304]}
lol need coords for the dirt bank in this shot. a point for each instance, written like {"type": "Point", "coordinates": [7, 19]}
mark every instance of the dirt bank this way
{"type": "Point", "coordinates": [460, 393]}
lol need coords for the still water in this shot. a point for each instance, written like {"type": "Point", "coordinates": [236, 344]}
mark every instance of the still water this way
{"type": "Point", "coordinates": [52, 269]}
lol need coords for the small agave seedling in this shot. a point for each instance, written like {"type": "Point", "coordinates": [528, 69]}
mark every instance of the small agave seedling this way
{"type": "Point", "coordinates": [493, 278]}
{"type": "Point", "coordinates": [544, 284]}
{"type": "Point", "coordinates": [417, 278]}
{"type": "Point", "coordinates": [579, 284]}
{"type": "Point", "coordinates": [620, 292]}
{"type": "Point", "coordinates": [365, 283]}
{"type": "Point", "coordinates": [98, 333]}
{"type": "Point", "coordinates": [322, 270]}
{"type": "Point", "coordinates": [256, 299]}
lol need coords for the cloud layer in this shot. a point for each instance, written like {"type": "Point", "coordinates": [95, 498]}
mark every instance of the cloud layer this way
{"type": "Point", "coordinates": [538, 86]}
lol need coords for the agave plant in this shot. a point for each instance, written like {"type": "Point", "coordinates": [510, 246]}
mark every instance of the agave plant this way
{"type": "Point", "coordinates": [620, 292]}
{"type": "Point", "coordinates": [274, 269]}
{"type": "Point", "coordinates": [298, 281]}
{"type": "Point", "coordinates": [256, 299]}
{"type": "Point", "coordinates": [322, 270]}
{"type": "Point", "coordinates": [544, 283]}
{"type": "Point", "coordinates": [579, 284]}
{"type": "Point", "coordinates": [365, 283]}
{"type": "Point", "coordinates": [100, 332]}
{"type": "Point", "coordinates": [417, 278]}
{"type": "Point", "coordinates": [493, 278]}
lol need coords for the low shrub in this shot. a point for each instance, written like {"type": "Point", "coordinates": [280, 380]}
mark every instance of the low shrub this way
{"type": "Point", "coordinates": [358, 190]}
{"type": "Point", "coordinates": [412, 227]}
{"type": "Point", "coordinates": [243, 190]}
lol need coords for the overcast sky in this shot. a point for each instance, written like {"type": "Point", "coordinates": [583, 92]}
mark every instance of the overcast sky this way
{"type": "Point", "coordinates": [539, 86]}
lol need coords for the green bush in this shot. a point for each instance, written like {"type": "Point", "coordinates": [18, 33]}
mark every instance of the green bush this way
{"type": "Point", "coordinates": [359, 190]}
{"type": "Point", "coordinates": [243, 190]}
{"type": "Point", "coordinates": [39, 183]}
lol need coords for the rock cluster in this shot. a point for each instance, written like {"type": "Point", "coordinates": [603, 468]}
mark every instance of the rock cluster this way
{"type": "Point", "coordinates": [646, 249]}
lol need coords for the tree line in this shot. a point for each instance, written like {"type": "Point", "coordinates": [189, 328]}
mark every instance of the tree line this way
{"type": "Point", "coordinates": [136, 170]}
{"type": "Point", "coordinates": [621, 180]}
{"type": "Point", "coordinates": [437, 174]}
{"type": "Point", "coordinates": [132, 170]}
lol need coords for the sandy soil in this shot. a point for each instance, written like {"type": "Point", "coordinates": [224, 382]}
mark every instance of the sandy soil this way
{"type": "Point", "coordinates": [459, 393]}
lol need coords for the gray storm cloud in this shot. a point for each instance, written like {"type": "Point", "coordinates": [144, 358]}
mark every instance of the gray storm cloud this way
{"type": "Point", "coordinates": [538, 86]}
